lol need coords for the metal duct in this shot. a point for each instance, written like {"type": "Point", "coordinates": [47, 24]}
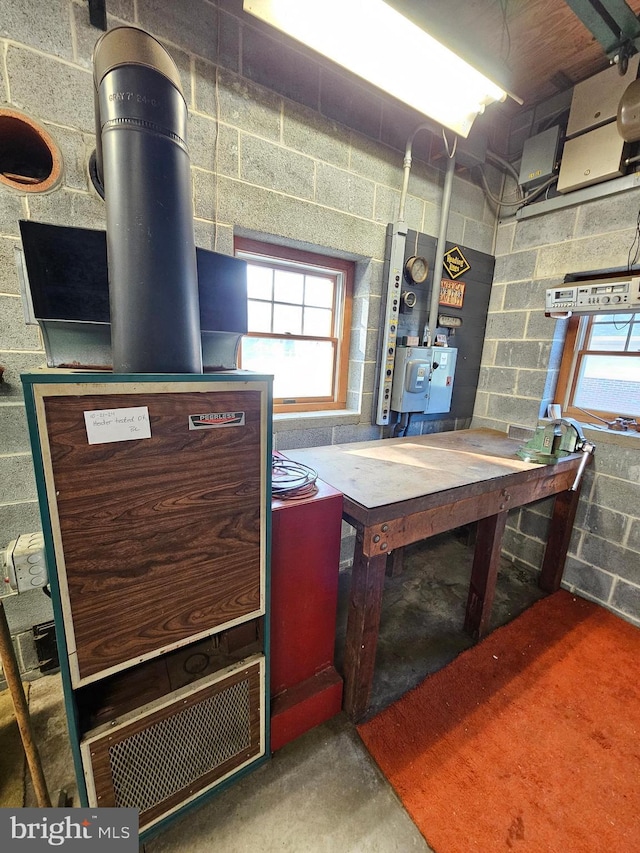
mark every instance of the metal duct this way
{"type": "Point", "coordinates": [143, 162]}
{"type": "Point", "coordinates": [628, 118]}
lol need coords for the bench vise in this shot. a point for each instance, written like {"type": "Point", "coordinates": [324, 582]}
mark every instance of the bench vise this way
{"type": "Point", "coordinates": [555, 439]}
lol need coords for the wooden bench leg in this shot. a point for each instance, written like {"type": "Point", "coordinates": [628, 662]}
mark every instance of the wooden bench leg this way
{"type": "Point", "coordinates": [395, 563]}
{"type": "Point", "coordinates": [363, 622]}
{"type": "Point", "coordinates": [486, 562]}
{"type": "Point", "coordinates": [560, 530]}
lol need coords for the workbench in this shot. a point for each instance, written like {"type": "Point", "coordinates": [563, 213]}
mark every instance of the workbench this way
{"type": "Point", "coordinates": [402, 490]}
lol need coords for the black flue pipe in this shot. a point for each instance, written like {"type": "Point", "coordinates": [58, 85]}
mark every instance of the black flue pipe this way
{"type": "Point", "coordinates": [143, 163]}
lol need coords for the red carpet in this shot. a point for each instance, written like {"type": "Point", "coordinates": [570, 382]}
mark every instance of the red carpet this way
{"type": "Point", "coordinates": [529, 741]}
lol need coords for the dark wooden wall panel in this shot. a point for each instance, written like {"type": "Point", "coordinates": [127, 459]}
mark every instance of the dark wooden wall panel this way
{"type": "Point", "coordinates": [469, 338]}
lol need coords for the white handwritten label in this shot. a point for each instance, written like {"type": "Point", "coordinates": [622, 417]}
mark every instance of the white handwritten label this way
{"type": "Point", "coordinates": [105, 425]}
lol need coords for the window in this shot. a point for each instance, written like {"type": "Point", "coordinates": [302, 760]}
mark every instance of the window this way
{"type": "Point", "coordinates": [299, 313]}
{"type": "Point", "coordinates": [600, 371]}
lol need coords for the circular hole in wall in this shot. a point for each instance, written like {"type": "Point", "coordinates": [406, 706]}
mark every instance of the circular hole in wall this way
{"type": "Point", "coordinates": [29, 158]}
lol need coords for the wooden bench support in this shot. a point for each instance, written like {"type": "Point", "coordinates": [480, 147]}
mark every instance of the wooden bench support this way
{"type": "Point", "coordinates": [558, 538]}
{"type": "Point", "coordinates": [484, 573]}
{"type": "Point", "coordinates": [365, 604]}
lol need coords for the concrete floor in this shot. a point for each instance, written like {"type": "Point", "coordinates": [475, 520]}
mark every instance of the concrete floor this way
{"type": "Point", "coordinates": [323, 793]}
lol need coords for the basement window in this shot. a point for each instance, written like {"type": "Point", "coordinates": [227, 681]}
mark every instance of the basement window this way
{"type": "Point", "coordinates": [299, 312]}
{"type": "Point", "coordinates": [600, 370]}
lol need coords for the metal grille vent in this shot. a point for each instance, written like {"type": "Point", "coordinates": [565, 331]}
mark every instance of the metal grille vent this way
{"type": "Point", "coordinates": [167, 757]}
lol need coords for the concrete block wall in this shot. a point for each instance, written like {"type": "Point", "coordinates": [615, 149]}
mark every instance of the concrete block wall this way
{"type": "Point", "coordinates": [518, 377]}
{"type": "Point", "coordinates": [282, 147]}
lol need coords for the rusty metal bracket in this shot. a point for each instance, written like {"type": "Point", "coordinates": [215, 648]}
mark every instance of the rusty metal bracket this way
{"type": "Point", "coordinates": [377, 540]}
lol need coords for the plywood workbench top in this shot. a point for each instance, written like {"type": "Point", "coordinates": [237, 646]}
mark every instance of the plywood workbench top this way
{"type": "Point", "coordinates": [375, 473]}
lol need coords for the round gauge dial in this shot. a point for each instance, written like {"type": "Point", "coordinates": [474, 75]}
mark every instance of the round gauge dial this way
{"type": "Point", "coordinates": [416, 269]}
{"type": "Point", "coordinates": [409, 298]}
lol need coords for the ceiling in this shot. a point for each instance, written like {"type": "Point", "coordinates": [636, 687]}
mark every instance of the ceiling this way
{"type": "Point", "coordinates": [535, 48]}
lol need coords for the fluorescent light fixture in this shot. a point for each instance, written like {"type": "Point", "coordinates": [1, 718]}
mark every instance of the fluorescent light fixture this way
{"type": "Point", "coordinates": [377, 43]}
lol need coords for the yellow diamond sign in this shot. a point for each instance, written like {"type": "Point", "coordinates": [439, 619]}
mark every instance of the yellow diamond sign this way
{"type": "Point", "coordinates": [455, 262]}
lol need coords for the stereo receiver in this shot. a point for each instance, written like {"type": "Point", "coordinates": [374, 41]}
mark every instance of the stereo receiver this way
{"type": "Point", "coordinates": [593, 297]}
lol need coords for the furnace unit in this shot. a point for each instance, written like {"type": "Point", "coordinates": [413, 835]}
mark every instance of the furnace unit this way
{"type": "Point", "coordinates": [154, 494]}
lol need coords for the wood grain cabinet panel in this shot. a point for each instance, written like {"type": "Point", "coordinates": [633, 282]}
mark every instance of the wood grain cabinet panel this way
{"type": "Point", "coordinates": [159, 537]}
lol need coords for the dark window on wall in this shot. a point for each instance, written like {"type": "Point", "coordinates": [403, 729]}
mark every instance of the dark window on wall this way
{"type": "Point", "coordinates": [299, 317]}
{"type": "Point", "coordinates": [600, 370]}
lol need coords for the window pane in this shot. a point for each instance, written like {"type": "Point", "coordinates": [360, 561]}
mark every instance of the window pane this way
{"type": "Point", "coordinates": [318, 291]}
{"type": "Point", "coordinates": [634, 342]}
{"type": "Point", "coordinates": [259, 316]}
{"type": "Point", "coordinates": [309, 296]}
{"type": "Point", "coordinates": [259, 281]}
{"type": "Point", "coordinates": [608, 318]}
{"type": "Point", "coordinates": [317, 321]}
{"type": "Point", "coordinates": [610, 384]}
{"type": "Point", "coordinates": [287, 318]}
{"type": "Point", "coordinates": [289, 287]}
{"type": "Point", "coordinates": [300, 368]}
{"type": "Point", "coordinates": [609, 336]}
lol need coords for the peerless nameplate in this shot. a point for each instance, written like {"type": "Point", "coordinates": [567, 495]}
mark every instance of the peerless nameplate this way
{"type": "Point", "coordinates": [216, 419]}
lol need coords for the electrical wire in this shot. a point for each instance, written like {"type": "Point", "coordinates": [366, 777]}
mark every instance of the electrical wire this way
{"type": "Point", "coordinates": [451, 152]}
{"type": "Point", "coordinates": [292, 480]}
{"type": "Point", "coordinates": [592, 415]}
{"type": "Point", "coordinates": [538, 190]}
{"type": "Point", "coordinates": [401, 427]}
{"type": "Point", "coordinates": [624, 325]}
{"type": "Point", "coordinates": [521, 202]}
{"type": "Point", "coordinates": [635, 246]}
{"type": "Point", "coordinates": [497, 160]}
{"type": "Point", "coordinates": [498, 202]}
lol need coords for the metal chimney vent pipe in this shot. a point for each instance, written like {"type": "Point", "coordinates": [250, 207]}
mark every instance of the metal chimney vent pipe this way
{"type": "Point", "coordinates": [143, 163]}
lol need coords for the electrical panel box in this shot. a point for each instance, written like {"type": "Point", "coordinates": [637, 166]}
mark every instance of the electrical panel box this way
{"type": "Point", "coordinates": [595, 101]}
{"type": "Point", "coordinates": [539, 157]}
{"type": "Point", "coordinates": [591, 158]}
{"type": "Point", "coordinates": [441, 385]}
{"type": "Point", "coordinates": [411, 379]}
{"type": "Point", "coordinates": [423, 379]}
{"type": "Point", "coordinates": [25, 562]}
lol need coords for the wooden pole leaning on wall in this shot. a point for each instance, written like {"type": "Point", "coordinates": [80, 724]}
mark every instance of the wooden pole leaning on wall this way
{"type": "Point", "coordinates": [21, 709]}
